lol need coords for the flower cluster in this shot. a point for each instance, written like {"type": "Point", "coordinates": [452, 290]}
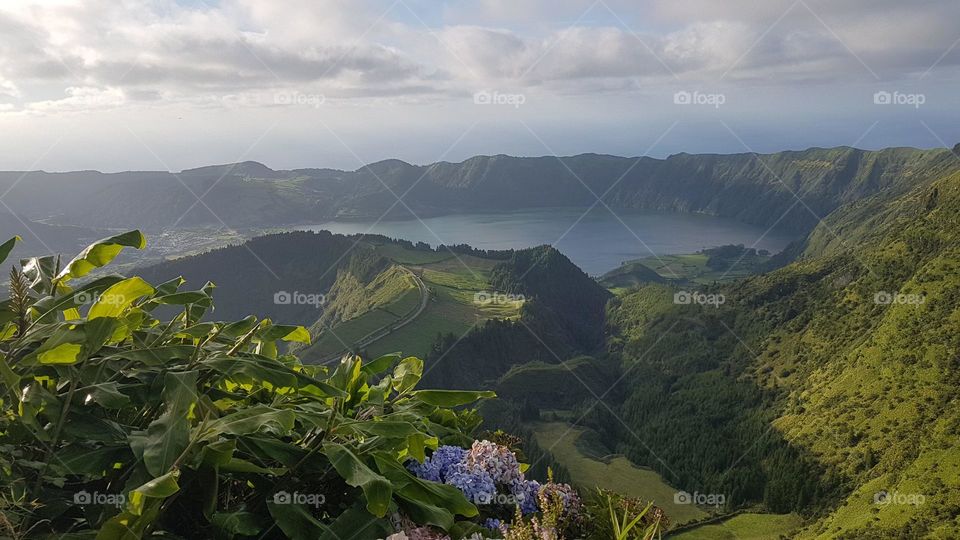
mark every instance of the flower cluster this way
{"type": "Point", "coordinates": [496, 460]}
{"type": "Point", "coordinates": [525, 492]}
{"type": "Point", "coordinates": [436, 467]}
{"type": "Point", "coordinates": [475, 484]}
{"type": "Point", "coordinates": [479, 472]}
{"type": "Point", "coordinates": [489, 475]}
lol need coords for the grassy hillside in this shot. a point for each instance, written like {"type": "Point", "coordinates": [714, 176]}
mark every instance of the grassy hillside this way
{"type": "Point", "coordinates": [841, 368]}
{"type": "Point", "coordinates": [724, 263]}
{"type": "Point", "coordinates": [453, 283]}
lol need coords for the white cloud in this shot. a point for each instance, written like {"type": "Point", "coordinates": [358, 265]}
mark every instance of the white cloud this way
{"type": "Point", "coordinates": [92, 67]}
{"type": "Point", "coordinates": [359, 48]}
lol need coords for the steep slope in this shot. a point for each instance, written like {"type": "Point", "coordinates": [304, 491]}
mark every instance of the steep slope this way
{"type": "Point", "coordinates": [830, 386]}
{"type": "Point", "coordinates": [562, 315]}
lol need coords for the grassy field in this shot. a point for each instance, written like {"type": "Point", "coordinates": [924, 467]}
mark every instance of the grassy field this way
{"type": "Point", "coordinates": [746, 527]}
{"type": "Point", "coordinates": [348, 332]}
{"type": "Point", "coordinates": [693, 267]}
{"type": "Point", "coordinates": [616, 474]}
{"type": "Point", "coordinates": [453, 282]}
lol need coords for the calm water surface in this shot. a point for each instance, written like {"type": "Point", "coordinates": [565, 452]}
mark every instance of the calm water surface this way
{"type": "Point", "coordinates": [600, 241]}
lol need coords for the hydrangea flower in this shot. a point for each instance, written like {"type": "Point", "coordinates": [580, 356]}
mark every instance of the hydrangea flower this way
{"type": "Point", "coordinates": [475, 484]}
{"type": "Point", "coordinates": [525, 492]}
{"type": "Point", "coordinates": [496, 460]}
{"type": "Point", "coordinates": [436, 467]}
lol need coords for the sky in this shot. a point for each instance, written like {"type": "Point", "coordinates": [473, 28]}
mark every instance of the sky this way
{"type": "Point", "coordinates": [172, 84]}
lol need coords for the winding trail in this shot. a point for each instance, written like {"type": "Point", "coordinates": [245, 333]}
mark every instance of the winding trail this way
{"type": "Point", "coordinates": [387, 329]}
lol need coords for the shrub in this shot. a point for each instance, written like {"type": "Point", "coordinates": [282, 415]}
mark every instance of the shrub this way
{"type": "Point", "coordinates": [118, 425]}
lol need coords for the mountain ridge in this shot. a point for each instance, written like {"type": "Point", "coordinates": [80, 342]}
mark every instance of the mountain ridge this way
{"type": "Point", "coordinates": [758, 189]}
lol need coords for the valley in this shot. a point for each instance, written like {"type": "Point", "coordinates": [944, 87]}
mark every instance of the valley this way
{"type": "Point", "coordinates": [796, 399]}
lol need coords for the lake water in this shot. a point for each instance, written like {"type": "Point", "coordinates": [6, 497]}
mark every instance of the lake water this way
{"type": "Point", "coordinates": [596, 242]}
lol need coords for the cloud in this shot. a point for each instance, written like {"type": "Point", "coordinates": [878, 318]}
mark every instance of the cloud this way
{"type": "Point", "coordinates": [57, 54]}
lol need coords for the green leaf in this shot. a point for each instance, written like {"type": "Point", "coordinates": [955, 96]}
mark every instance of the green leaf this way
{"type": "Point", "coordinates": [416, 446]}
{"type": "Point", "coordinates": [39, 271]}
{"type": "Point", "coordinates": [65, 353]}
{"type": "Point", "coordinates": [255, 419]}
{"type": "Point", "coordinates": [218, 453]}
{"type": "Point", "coordinates": [169, 435]}
{"type": "Point", "coordinates": [451, 398]}
{"type": "Point", "coordinates": [286, 333]}
{"type": "Point", "coordinates": [158, 488]}
{"type": "Point", "coordinates": [381, 364]}
{"type": "Point", "coordinates": [355, 523]}
{"type": "Point", "coordinates": [407, 374]}
{"type": "Point", "coordinates": [296, 522]}
{"type": "Point", "coordinates": [108, 395]}
{"type": "Point", "coordinates": [100, 253]}
{"type": "Point", "coordinates": [118, 297]}
{"type": "Point", "coordinates": [376, 488]}
{"type": "Point", "coordinates": [7, 247]}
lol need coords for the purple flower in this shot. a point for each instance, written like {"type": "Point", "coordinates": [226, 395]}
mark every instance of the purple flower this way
{"type": "Point", "coordinates": [496, 460]}
{"type": "Point", "coordinates": [525, 492]}
{"type": "Point", "coordinates": [476, 485]}
{"type": "Point", "coordinates": [436, 467]}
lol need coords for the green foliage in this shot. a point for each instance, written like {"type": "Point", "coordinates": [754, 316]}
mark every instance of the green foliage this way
{"type": "Point", "coordinates": [117, 424]}
{"type": "Point", "coordinates": [629, 525]}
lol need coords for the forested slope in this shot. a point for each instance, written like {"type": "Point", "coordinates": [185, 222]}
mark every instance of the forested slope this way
{"type": "Point", "coordinates": [819, 387]}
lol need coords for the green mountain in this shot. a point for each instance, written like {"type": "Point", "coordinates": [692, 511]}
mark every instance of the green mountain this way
{"type": "Point", "coordinates": [829, 387]}
{"type": "Point", "coordinates": [373, 294]}
{"type": "Point", "coordinates": [757, 189]}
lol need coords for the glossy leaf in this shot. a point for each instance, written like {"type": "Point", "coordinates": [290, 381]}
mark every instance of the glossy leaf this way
{"type": "Point", "coordinates": [376, 488]}
{"type": "Point", "coordinates": [100, 253]}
